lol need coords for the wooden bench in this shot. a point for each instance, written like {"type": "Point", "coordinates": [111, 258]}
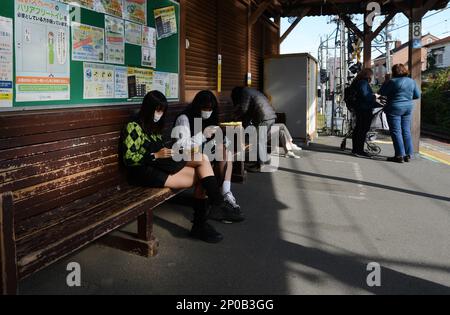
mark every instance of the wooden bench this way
{"type": "Point", "coordinates": [62, 187]}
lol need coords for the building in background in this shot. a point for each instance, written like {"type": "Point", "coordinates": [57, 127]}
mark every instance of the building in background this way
{"type": "Point", "coordinates": [400, 55]}
{"type": "Point", "coordinates": [439, 53]}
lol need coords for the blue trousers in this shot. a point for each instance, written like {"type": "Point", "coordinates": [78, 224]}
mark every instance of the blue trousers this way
{"type": "Point", "coordinates": [399, 120]}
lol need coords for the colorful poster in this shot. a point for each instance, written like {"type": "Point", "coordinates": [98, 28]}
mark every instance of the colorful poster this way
{"type": "Point", "coordinates": [141, 81]}
{"type": "Point", "coordinates": [166, 83]}
{"type": "Point", "coordinates": [88, 4]}
{"type": "Point", "coordinates": [149, 57]}
{"type": "Point", "coordinates": [115, 40]}
{"type": "Point", "coordinates": [111, 7]}
{"type": "Point", "coordinates": [135, 10]}
{"type": "Point", "coordinates": [166, 22]}
{"type": "Point", "coordinates": [42, 49]}
{"type": "Point", "coordinates": [88, 43]}
{"type": "Point", "coordinates": [121, 82]}
{"type": "Point", "coordinates": [133, 33]}
{"type": "Point", "coordinates": [148, 37]}
{"type": "Point", "coordinates": [98, 81]}
{"type": "Point", "coordinates": [6, 62]}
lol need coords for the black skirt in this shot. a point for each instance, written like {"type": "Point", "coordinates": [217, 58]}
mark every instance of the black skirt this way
{"type": "Point", "coordinates": [156, 175]}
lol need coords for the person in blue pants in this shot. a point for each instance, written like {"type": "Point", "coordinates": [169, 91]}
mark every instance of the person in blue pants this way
{"type": "Point", "coordinates": [400, 92]}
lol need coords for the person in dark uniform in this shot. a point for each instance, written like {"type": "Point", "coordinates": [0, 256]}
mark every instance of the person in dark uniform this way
{"type": "Point", "coordinates": [253, 108]}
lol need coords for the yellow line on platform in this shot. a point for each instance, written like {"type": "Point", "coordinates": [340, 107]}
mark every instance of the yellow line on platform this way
{"type": "Point", "coordinates": [434, 157]}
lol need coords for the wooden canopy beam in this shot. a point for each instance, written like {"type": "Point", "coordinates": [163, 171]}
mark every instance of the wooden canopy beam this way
{"type": "Point", "coordinates": [294, 25]}
{"type": "Point", "coordinates": [383, 25]}
{"type": "Point", "coordinates": [263, 6]}
{"type": "Point", "coordinates": [349, 23]}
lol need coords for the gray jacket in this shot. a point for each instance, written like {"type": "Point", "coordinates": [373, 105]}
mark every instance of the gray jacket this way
{"type": "Point", "coordinates": [255, 107]}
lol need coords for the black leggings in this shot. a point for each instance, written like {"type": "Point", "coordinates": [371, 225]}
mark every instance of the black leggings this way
{"type": "Point", "coordinates": [363, 122]}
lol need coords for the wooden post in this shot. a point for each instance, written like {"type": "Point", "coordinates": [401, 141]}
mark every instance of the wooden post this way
{"type": "Point", "coordinates": [8, 263]}
{"type": "Point", "coordinates": [249, 43]}
{"type": "Point", "coordinates": [182, 69]}
{"type": "Point", "coordinates": [415, 68]}
{"type": "Point", "coordinates": [368, 36]}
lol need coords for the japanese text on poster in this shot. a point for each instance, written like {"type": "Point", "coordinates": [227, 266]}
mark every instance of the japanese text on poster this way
{"type": "Point", "coordinates": [142, 81]}
{"type": "Point", "coordinates": [6, 62]}
{"type": "Point", "coordinates": [88, 4]}
{"type": "Point", "coordinates": [148, 47]}
{"type": "Point", "coordinates": [121, 82]}
{"type": "Point", "coordinates": [112, 7]}
{"type": "Point", "coordinates": [166, 22]}
{"type": "Point", "coordinates": [98, 81]}
{"type": "Point", "coordinates": [135, 10]}
{"type": "Point", "coordinates": [88, 43]}
{"type": "Point", "coordinates": [115, 41]}
{"type": "Point", "coordinates": [42, 27]}
{"type": "Point", "coordinates": [133, 33]}
{"type": "Point", "coordinates": [166, 83]}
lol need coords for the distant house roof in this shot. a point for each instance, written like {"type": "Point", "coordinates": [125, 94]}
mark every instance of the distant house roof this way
{"type": "Point", "coordinates": [403, 46]}
{"type": "Point", "coordinates": [439, 42]}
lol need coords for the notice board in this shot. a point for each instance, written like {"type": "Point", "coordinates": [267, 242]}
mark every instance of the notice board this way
{"type": "Point", "coordinates": [167, 52]}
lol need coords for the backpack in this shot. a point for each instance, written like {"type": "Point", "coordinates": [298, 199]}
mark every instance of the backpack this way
{"type": "Point", "coordinates": [351, 97]}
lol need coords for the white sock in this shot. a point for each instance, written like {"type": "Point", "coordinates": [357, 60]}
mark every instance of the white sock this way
{"type": "Point", "coordinates": [226, 187]}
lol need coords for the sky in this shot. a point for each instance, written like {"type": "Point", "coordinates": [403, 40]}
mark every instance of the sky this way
{"type": "Point", "coordinates": [306, 36]}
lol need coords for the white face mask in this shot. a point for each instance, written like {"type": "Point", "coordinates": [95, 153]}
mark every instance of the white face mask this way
{"type": "Point", "coordinates": [206, 115]}
{"type": "Point", "coordinates": [157, 117]}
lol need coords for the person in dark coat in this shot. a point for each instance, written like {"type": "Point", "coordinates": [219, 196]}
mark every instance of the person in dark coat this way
{"type": "Point", "coordinates": [253, 108]}
{"type": "Point", "coordinates": [363, 111]}
{"type": "Point", "coordinates": [400, 92]}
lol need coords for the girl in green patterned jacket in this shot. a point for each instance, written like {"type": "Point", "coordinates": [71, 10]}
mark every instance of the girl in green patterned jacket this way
{"type": "Point", "coordinates": [150, 163]}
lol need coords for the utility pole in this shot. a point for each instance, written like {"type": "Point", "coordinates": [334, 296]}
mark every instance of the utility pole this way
{"type": "Point", "coordinates": [388, 37]}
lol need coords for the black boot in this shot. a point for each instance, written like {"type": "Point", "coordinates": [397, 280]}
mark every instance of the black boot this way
{"type": "Point", "coordinates": [220, 210]}
{"type": "Point", "coordinates": [201, 229]}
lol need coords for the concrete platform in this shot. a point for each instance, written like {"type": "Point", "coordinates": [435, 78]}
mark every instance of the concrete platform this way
{"type": "Point", "coordinates": [312, 228]}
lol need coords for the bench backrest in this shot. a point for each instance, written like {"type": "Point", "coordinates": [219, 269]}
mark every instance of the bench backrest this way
{"type": "Point", "coordinates": [49, 158]}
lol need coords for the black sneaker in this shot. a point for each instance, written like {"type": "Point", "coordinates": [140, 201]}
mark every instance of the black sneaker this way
{"type": "Point", "coordinates": [206, 232]}
{"type": "Point", "coordinates": [407, 159]}
{"type": "Point", "coordinates": [395, 159]}
{"type": "Point", "coordinates": [226, 214]}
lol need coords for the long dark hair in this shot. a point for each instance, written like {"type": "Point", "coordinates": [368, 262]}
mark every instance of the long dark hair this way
{"type": "Point", "coordinates": [194, 110]}
{"type": "Point", "coordinates": [152, 102]}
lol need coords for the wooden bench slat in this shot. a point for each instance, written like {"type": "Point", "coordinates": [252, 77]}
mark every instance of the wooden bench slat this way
{"type": "Point", "coordinates": [29, 200]}
{"type": "Point", "coordinates": [57, 136]}
{"type": "Point", "coordinates": [87, 163]}
{"type": "Point", "coordinates": [91, 229]}
{"type": "Point", "coordinates": [90, 144]}
{"type": "Point", "coordinates": [68, 196]}
{"type": "Point", "coordinates": [33, 150]}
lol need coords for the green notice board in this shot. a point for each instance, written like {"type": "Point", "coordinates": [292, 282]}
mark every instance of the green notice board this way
{"type": "Point", "coordinates": [167, 55]}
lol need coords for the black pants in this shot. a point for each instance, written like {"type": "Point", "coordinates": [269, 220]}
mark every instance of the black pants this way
{"type": "Point", "coordinates": [363, 122]}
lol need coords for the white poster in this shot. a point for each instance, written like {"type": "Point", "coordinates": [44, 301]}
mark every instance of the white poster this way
{"type": "Point", "coordinates": [149, 57]}
{"type": "Point", "coordinates": [42, 50]}
{"type": "Point", "coordinates": [166, 83]}
{"type": "Point", "coordinates": [148, 37]}
{"type": "Point", "coordinates": [6, 62]}
{"type": "Point", "coordinates": [98, 80]}
{"type": "Point", "coordinates": [135, 10]}
{"type": "Point", "coordinates": [115, 40]}
{"type": "Point", "coordinates": [166, 22]}
{"type": "Point", "coordinates": [133, 33]}
{"type": "Point", "coordinates": [148, 47]}
{"type": "Point", "coordinates": [88, 43]}
{"type": "Point", "coordinates": [121, 82]}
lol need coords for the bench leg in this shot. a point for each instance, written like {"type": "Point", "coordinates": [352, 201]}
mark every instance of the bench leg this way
{"type": "Point", "coordinates": [8, 262]}
{"type": "Point", "coordinates": [142, 243]}
{"type": "Point", "coordinates": [145, 233]}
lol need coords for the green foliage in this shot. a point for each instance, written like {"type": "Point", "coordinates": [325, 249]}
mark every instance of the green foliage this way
{"type": "Point", "coordinates": [436, 100]}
